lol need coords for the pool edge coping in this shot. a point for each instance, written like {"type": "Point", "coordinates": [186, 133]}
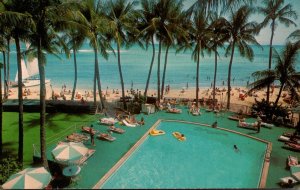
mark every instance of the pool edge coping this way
{"type": "Point", "coordinates": [264, 172]}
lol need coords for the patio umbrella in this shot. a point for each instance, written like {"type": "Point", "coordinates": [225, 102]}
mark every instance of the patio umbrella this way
{"type": "Point", "coordinates": [29, 178]}
{"type": "Point", "coordinates": [67, 152]}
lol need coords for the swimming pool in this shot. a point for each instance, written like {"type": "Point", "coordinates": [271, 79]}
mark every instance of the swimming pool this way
{"type": "Point", "coordinates": [206, 159]}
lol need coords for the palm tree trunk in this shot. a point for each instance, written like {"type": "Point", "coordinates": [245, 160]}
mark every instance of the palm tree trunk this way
{"type": "Point", "coordinates": [20, 97]}
{"type": "Point", "coordinates": [4, 70]}
{"type": "Point", "coordinates": [5, 79]}
{"type": "Point", "coordinates": [1, 111]}
{"type": "Point", "coordinates": [229, 76]}
{"type": "Point", "coordinates": [215, 77]}
{"type": "Point", "coordinates": [197, 75]}
{"type": "Point", "coordinates": [8, 63]}
{"type": "Point", "coordinates": [164, 73]}
{"type": "Point", "coordinates": [121, 76]}
{"type": "Point", "coordinates": [158, 71]}
{"type": "Point", "coordinates": [270, 58]}
{"type": "Point", "coordinates": [75, 75]}
{"type": "Point", "coordinates": [151, 65]}
{"type": "Point", "coordinates": [97, 78]}
{"type": "Point", "coordinates": [279, 94]}
{"type": "Point", "coordinates": [42, 106]}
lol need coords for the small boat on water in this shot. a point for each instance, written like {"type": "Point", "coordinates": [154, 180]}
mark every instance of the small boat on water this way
{"type": "Point", "coordinates": [156, 132]}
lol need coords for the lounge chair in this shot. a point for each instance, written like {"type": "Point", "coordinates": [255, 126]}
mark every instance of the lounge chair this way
{"type": "Point", "coordinates": [155, 132]}
{"type": "Point", "coordinates": [292, 146]}
{"type": "Point", "coordinates": [105, 136]}
{"type": "Point", "coordinates": [174, 110]}
{"type": "Point", "coordinates": [85, 157]}
{"type": "Point", "coordinates": [73, 138]}
{"type": "Point", "coordinates": [236, 118]}
{"type": "Point", "coordinates": [128, 124]}
{"type": "Point", "coordinates": [287, 182]}
{"type": "Point", "coordinates": [87, 129]}
{"type": "Point", "coordinates": [116, 130]}
{"type": "Point", "coordinates": [291, 161]}
{"type": "Point", "coordinates": [267, 125]}
{"type": "Point", "coordinates": [283, 138]}
{"type": "Point", "coordinates": [246, 125]}
{"type": "Point", "coordinates": [108, 121]}
{"type": "Point", "coordinates": [81, 136]}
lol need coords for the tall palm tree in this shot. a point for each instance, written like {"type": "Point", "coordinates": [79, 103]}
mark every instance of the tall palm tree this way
{"type": "Point", "coordinates": [75, 39]}
{"type": "Point", "coordinates": [91, 19]}
{"type": "Point", "coordinates": [240, 32]}
{"type": "Point", "coordinates": [295, 35]}
{"type": "Point", "coordinates": [217, 39]}
{"type": "Point", "coordinates": [44, 40]}
{"type": "Point", "coordinates": [19, 30]}
{"type": "Point", "coordinates": [276, 11]}
{"type": "Point", "coordinates": [176, 28]}
{"type": "Point", "coordinates": [200, 36]}
{"type": "Point", "coordinates": [165, 10]}
{"type": "Point", "coordinates": [120, 15]}
{"type": "Point", "coordinates": [147, 26]}
{"type": "Point", "coordinates": [284, 72]}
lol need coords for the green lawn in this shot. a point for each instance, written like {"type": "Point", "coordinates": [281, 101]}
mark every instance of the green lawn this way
{"type": "Point", "coordinates": [57, 126]}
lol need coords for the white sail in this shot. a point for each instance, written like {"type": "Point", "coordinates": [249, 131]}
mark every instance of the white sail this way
{"type": "Point", "coordinates": [25, 74]}
{"type": "Point", "coordinates": [32, 67]}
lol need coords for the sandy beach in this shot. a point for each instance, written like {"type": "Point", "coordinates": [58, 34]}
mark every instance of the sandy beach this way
{"type": "Point", "coordinates": [173, 93]}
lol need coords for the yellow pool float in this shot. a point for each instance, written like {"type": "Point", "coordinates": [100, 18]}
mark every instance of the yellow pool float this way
{"type": "Point", "coordinates": [155, 132]}
{"type": "Point", "coordinates": [179, 136]}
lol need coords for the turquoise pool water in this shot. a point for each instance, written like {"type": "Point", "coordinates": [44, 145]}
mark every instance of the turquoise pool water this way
{"type": "Point", "coordinates": [206, 159]}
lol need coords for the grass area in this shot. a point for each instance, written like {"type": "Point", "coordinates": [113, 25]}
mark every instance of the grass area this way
{"type": "Point", "coordinates": [57, 126]}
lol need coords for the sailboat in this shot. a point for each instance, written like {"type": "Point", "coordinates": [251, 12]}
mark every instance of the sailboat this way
{"type": "Point", "coordinates": [30, 73]}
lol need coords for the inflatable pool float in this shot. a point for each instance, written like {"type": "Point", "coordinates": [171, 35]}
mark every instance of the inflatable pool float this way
{"type": "Point", "coordinates": [179, 136]}
{"type": "Point", "coordinates": [155, 132]}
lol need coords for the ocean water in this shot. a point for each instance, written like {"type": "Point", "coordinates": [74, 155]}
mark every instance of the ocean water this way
{"type": "Point", "coordinates": [135, 61]}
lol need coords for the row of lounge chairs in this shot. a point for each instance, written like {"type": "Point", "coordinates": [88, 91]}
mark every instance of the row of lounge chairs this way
{"type": "Point", "coordinates": [104, 136]}
{"type": "Point", "coordinates": [293, 165]}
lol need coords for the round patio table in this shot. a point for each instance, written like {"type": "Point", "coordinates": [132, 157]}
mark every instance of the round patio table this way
{"type": "Point", "coordinates": [71, 171]}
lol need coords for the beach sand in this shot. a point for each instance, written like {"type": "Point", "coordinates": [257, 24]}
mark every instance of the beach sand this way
{"type": "Point", "coordinates": [173, 93]}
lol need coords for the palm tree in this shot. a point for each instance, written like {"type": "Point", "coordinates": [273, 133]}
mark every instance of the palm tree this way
{"type": "Point", "coordinates": [75, 39]}
{"type": "Point", "coordinates": [19, 29]}
{"type": "Point", "coordinates": [91, 19]}
{"type": "Point", "coordinates": [295, 35]}
{"type": "Point", "coordinates": [200, 36]}
{"type": "Point", "coordinates": [147, 27]}
{"type": "Point", "coordinates": [218, 38]}
{"type": "Point", "coordinates": [166, 11]}
{"type": "Point", "coordinates": [240, 33]}
{"type": "Point", "coordinates": [176, 28]}
{"type": "Point", "coordinates": [44, 40]}
{"type": "Point", "coordinates": [120, 15]}
{"type": "Point", "coordinates": [284, 72]}
{"type": "Point", "coordinates": [275, 11]}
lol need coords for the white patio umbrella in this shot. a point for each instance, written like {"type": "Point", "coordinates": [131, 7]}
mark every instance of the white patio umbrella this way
{"type": "Point", "coordinates": [29, 178]}
{"type": "Point", "coordinates": [69, 152]}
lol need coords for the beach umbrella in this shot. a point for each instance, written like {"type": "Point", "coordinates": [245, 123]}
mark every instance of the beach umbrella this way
{"type": "Point", "coordinates": [29, 178]}
{"type": "Point", "coordinates": [69, 152]}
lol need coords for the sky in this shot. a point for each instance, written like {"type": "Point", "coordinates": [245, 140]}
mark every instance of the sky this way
{"type": "Point", "coordinates": [281, 32]}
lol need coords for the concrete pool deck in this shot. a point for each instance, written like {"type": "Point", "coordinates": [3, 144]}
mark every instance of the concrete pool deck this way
{"type": "Point", "coordinates": [109, 153]}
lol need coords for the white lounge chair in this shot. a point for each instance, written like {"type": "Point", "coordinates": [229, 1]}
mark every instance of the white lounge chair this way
{"type": "Point", "coordinates": [128, 124]}
{"type": "Point", "coordinates": [286, 181]}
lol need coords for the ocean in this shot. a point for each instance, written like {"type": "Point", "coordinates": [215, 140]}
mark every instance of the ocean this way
{"type": "Point", "coordinates": [181, 69]}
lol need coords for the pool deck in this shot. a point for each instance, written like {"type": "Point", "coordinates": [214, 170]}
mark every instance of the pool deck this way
{"type": "Point", "coordinates": [109, 155]}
